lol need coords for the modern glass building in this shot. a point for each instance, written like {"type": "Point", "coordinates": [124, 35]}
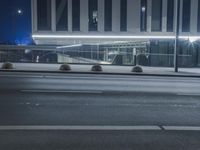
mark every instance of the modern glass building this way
{"type": "Point", "coordinates": [126, 28]}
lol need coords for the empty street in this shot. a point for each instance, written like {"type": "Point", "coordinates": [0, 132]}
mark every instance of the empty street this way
{"type": "Point", "coordinates": [71, 111]}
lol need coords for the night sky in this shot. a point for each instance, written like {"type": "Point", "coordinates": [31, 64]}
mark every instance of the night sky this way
{"type": "Point", "coordinates": [15, 28]}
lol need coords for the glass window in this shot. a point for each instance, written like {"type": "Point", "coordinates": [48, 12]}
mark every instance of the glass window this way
{"type": "Point", "coordinates": [156, 15]}
{"type": "Point", "coordinates": [76, 15]}
{"type": "Point", "coordinates": [123, 15]}
{"type": "Point", "coordinates": [186, 16]}
{"type": "Point", "coordinates": [143, 15]}
{"type": "Point", "coordinates": [61, 15]}
{"type": "Point", "coordinates": [198, 21]}
{"type": "Point", "coordinates": [93, 15]}
{"type": "Point", "coordinates": [44, 14]}
{"type": "Point", "coordinates": [170, 15]}
{"type": "Point", "coordinates": [108, 15]}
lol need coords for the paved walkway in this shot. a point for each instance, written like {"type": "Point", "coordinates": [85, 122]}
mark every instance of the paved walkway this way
{"type": "Point", "coordinates": [107, 69]}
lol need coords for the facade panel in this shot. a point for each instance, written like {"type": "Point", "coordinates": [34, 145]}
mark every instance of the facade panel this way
{"type": "Point", "coordinates": [43, 15]}
{"type": "Point", "coordinates": [76, 15]}
{"type": "Point", "coordinates": [193, 16]}
{"type": "Point", "coordinates": [93, 15]}
{"type": "Point", "coordinates": [198, 19]}
{"type": "Point", "coordinates": [61, 15]}
{"type": "Point", "coordinates": [115, 16]}
{"type": "Point", "coordinates": [186, 15]}
{"type": "Point", "coordinates": [123, 15]}
{"type": "Point", "coordinates": [108, 15]}
{"type": "Point", "coordinates": [170, 15]}
{"type": "Point", "coordinates": [156, 23]}
{"type": "Point", "coordinates": [143, 16]}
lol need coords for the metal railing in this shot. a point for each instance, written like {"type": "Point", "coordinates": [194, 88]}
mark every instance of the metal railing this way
{"type": "Point", "coordinates": [40, 54]}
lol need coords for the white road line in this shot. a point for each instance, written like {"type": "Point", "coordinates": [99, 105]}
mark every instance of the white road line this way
{"type": "Point", "coordinates": [98, 128]}
{"type": "Point", "coordinates": [188, 94]}
{"type": "Point", "coordinates": [61, 91]}
{"type": "Point", "coordinates": [22, 76]}
{"type": "Point", "coordinates": [181, 128]}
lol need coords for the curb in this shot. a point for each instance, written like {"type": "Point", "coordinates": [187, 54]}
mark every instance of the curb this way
{"type": "Point", "coordinates": [103, 73]}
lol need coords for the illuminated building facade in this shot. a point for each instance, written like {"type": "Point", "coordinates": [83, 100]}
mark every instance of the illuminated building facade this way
{"type": "Point", "coordinates": [137, 26]}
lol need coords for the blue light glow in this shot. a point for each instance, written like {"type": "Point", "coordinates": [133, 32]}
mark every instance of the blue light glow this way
{"type": "Point", "coordinates": [24, 41]}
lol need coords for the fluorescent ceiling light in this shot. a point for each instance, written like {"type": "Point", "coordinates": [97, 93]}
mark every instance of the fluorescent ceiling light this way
{"type": "Point", "coordinates": [46, 36]}
{"type": "Point", "coordinates": [99, 37]}
{"type": "Point", "coordinates": [69, 46]}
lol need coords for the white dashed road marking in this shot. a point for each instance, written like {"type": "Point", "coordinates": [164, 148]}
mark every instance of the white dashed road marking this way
{"type": "Point", "coordinates": [61, 91]}
{"type": "Point", "coordinates": [98, 128]}
{"type": "Point", "coordinates": [102, 128]}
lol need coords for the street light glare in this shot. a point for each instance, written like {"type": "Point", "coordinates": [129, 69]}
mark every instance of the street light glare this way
{"type": "Point", "coordinates": [19, 11]}
{"type": "Point", "coordinates": [192, 39]}
{"type": "Point", "coordinates": [143, 9]}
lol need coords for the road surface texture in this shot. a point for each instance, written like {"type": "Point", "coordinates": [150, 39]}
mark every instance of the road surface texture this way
{"type": "Point", "coordinates": [97, 112]}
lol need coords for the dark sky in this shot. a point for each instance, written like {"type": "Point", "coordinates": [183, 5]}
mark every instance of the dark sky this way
{"type": "Point", "coordinates": [15, 28]}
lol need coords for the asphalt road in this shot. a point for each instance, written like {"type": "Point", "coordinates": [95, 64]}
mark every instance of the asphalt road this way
{"type": "Point", "coordinates": [59, 112]}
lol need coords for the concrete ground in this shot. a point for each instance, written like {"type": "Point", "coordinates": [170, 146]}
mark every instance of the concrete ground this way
{"type": "Point", "coordinates": [107, 69]}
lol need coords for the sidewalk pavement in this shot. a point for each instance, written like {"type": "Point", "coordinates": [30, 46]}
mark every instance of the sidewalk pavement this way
{"type": "Point", "coordinates": [107, 69]}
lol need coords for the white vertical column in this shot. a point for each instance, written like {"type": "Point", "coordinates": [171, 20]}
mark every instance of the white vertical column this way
{"type": "Point", "coordinates": [164, 16]}
{"type": "Point", "coordinates": [69, 15]}
{"type": "Point", "coordinates": [149, 13]}
{"type": "Point", "coordinates": [193, 16]}
{"type": "Point", "coordinates": [53, 15]}
{"type": "Point", "coordinates": [116, 15]}
{"type": "Point", "coordinates": [34, 15]}
{"type": "Point", "coordinates": [136, 15]}
{"type": "Point", "coordinates": [130, 18]}
{"type": "Point", "coordinates": [175, 16]}
{"type": "Point", "coordinates": [101, 15]}
{"type": "Point", "coordinates": [84, 15]}
{"type": "Point", "coordinates": [181, 16]}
